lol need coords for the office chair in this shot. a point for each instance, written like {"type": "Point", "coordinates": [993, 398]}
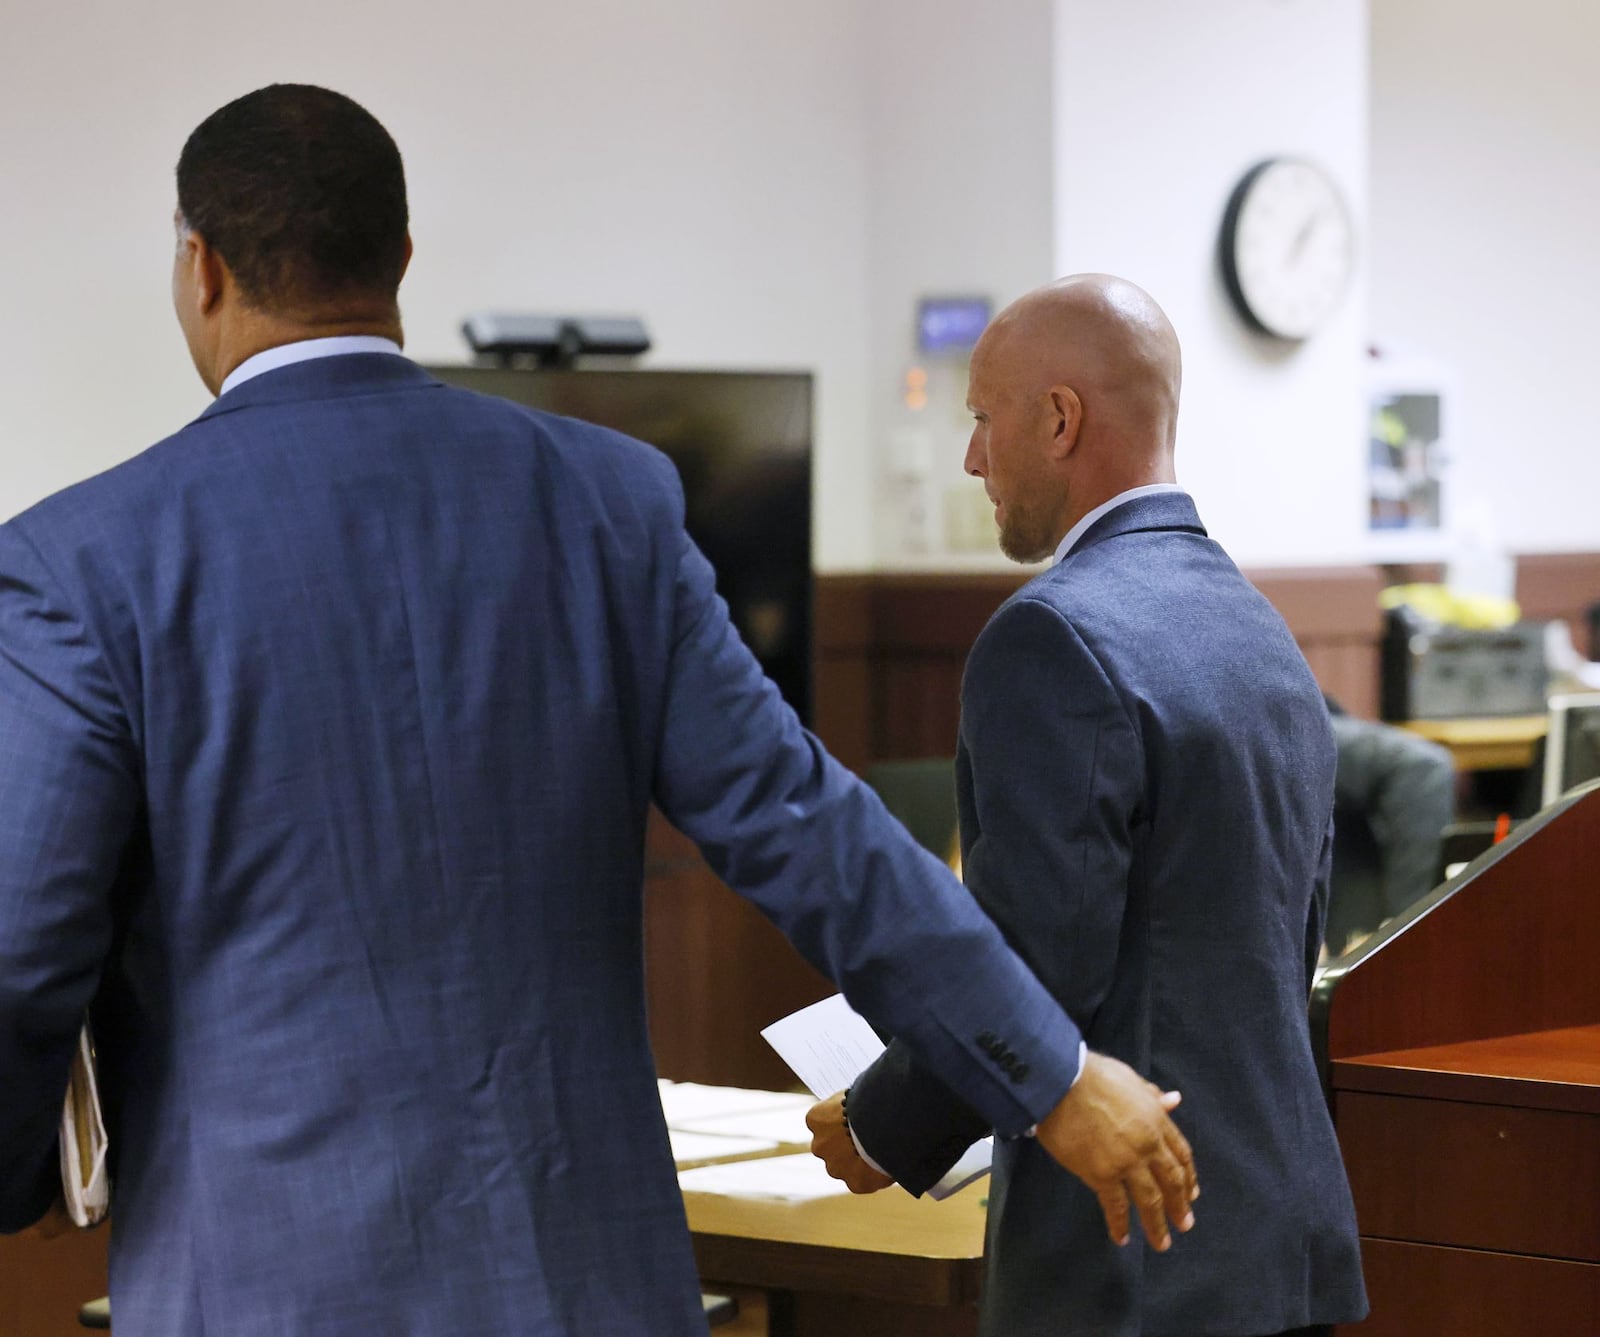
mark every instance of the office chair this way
{"type": "Point", "coordinates": [1394, 794]}
{"type": "Point", "coordinates": [921, 795]}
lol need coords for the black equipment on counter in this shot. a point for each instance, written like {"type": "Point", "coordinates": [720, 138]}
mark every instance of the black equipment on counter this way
{"type": "Point", "coordinates": [1432, 671]}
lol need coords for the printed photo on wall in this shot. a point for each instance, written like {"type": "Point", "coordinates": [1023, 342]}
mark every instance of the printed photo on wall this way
{"type": "Point", "coordinates": [1406, 453]}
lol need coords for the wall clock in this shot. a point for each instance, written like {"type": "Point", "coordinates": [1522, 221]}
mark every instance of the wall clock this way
{"type": "Point", "coordinates": [1287, 247]}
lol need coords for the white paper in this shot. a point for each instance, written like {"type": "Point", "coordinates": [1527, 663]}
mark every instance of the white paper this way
{"type": "Point", "coordinates": [785, 1178]}
{"type": "Point", "coordinates": [691, 1102]}
{"type": "Point", "coordinates": [710, 1146]}
{"type": "Point", "coordinates": [828, 1045]}
{"type": "Point", "coordinates": [787, 1124]}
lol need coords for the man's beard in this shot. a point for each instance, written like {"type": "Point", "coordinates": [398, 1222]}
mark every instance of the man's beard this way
{"type": "Point", "coordinates": [1025, 535]}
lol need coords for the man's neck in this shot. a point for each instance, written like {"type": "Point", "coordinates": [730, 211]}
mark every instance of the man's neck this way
{"type": "Point", "coordinates": [259, 331]}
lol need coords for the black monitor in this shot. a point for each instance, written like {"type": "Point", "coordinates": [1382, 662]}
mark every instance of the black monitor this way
{"type": "Point", "coordinates": [742, 444]}
{"type": "Point", "coordinates": [1572, 748]}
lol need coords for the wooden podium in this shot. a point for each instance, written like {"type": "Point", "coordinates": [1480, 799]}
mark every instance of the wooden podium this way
{"type": "Point", "coordinates": [1461, 1047]}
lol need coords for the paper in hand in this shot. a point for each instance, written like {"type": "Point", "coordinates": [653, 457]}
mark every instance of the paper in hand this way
{"type": "Point", "coordinates": [828, 1045]}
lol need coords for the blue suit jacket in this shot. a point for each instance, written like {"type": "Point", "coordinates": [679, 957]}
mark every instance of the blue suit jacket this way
{"type": "Point", "coordinates": [328, 730]}
{"type": "Point", "coordinates": [1145, 784]}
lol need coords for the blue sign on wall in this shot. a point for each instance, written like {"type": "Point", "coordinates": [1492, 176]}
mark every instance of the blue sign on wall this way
{"type": "Point", "coordinates": [950, 324]}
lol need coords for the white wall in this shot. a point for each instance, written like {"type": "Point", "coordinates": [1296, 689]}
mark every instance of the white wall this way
{"type": "Point", "coordinates": [1160, 107]}
{"type": "Point", "coordinates": [959, 133]}
{"type": "Point", "coordinates": [702, 164]}
{"type": "Point", "coordinates": [1485, 214]}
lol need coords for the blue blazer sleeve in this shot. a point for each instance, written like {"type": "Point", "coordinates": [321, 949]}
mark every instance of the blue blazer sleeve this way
{"type": "Point", "coordinates": [69, 791]}
{"type": "Point", "coordinates": [1051, 784]}
{"type": "Point", "coordinates": [788, 827]}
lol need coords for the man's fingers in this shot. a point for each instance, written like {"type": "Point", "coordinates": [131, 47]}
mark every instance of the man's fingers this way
{"type": "Point", "coordinates": [1175, 1186]}
{"type": "Point", "coordinates": [1177, 1146]}
{"type": "Point", "coordinates": [1170, 1100]}
{"type": "Point", "coordinates": [1151, 1203]}
{"type": "Point", "coordinates": [1114, 1203]}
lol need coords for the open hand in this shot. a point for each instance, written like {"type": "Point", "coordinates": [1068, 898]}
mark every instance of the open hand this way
{"type": "Point", "coordinates": [832, 1144]}
{"type": "Point", "coordinates": [1115, 1132]}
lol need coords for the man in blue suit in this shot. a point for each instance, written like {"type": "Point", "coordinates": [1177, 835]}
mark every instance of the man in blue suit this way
{"type": "Point", "coordinates": [1145, 783]}
{"type": "Point", "coordinates": [328, 731]}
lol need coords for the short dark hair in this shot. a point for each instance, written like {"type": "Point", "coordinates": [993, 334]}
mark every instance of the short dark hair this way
{"type": "Point", "coordinates": [302, 193]}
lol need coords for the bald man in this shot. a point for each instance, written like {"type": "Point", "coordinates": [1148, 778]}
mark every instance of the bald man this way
{"type": "Point", "coordinates": [1145, 783]}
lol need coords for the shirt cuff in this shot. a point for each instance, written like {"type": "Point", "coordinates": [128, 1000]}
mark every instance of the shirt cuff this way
{"type": "Point", "coordinates": [1083, 1057]}
{"type": "Point", "coordinates": [861, 1151]}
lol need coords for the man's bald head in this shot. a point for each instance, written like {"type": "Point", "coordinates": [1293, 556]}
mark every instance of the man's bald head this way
{"type": "Point", "coordinates": [1075, 389]}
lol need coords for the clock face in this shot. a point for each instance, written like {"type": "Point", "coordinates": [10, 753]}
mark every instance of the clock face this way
{"type": "Point", "coordinates": [1288, 247]}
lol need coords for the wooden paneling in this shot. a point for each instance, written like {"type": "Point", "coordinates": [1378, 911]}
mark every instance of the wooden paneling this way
{"type": "Point", "coordinates": [896, 646]}
{"type": "Point", "coordinates": [1474, 1176]}
{"type": "Point", "coordinates": [43, 1282]}
{"type": "Point", "coordinates": [1418, 1290]}
{"type": "Point", "coordinates": [1552, 585]}
{"type": "Point", "coordinates": [717, 972]}
{"type": "Point", "coordinates": [891, 649]}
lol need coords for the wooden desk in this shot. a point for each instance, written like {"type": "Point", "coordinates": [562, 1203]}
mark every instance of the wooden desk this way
{"type": "Point", "coordinates": [1489, 744]}
{"type": "Point", "coordinates": [1463, 1058]}
{"type": "Point", "coordinates": [888, 1265]}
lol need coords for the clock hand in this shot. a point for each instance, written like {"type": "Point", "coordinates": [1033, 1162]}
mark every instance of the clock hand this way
{"type": "Point", "coordinates": [1304, 235]}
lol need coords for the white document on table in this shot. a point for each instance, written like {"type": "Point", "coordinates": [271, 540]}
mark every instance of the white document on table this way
{"type": "Point", "coordinates": [688, 1147]}
{"type": "Point", "coordinates": [828, 1045]}
{"type": "Point", "coordinates": [786, 1124]}
{"type": "Point", "coordinates": [786, 1178]}
{"type": "Point", "coordinates": [692, 1103]}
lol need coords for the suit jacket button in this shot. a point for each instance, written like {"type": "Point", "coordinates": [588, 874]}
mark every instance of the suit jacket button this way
{"type": "Point", "coordinates": [986, 1041]}
{"type": "Point", "coordinates": [1019, 1073]}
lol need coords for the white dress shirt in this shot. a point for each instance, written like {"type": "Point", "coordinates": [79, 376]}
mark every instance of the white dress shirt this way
{"type": "Point", "coordinates": [1133, 493]}
{"type": "Point", "coordinates": [303, 350]}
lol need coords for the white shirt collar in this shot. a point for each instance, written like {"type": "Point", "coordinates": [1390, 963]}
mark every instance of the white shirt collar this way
{"type": "Point", "coordinates": [1132, 494]}
{"type": "Point", "coordinates": [286, 355]}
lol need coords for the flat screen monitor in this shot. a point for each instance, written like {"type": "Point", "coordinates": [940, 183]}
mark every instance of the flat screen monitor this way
{"type": "Point", "coordinates": [1572, 747]}
{"type": "Point", "coordinates": [742, 445]}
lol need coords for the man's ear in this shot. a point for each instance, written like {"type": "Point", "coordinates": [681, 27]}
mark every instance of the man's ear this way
{"type": "Point", "coordinates": [1067, 419]}
{"type": "Point", "coordinates": [209, 271]}
{"type": "Point", "coordinates": [405, 260]}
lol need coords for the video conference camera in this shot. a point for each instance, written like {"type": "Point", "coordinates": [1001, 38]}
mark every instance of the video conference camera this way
{"type": "Point", "coordinates": [553, 341]}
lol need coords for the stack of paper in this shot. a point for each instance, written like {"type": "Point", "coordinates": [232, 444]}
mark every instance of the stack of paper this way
{"type": "Point", "coordinates": [711, 1122]}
